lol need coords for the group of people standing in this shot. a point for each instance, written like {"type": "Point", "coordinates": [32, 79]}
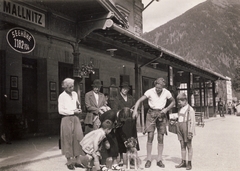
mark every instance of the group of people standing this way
{"type": "Point", "coordinates": [228, 108]}
{"type": "Point", "coordinates": [108, 126]}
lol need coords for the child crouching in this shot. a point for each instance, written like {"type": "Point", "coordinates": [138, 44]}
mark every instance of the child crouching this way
{"type": "Point", "coordinates": [91, 142]}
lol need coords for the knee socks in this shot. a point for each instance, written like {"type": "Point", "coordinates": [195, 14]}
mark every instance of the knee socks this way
{"type": "Point", "coordinates": [149, 151]}
{"type": "Point", "coordinates": [183, 153]}
{"type": "Point", "coordinates": [97, 165]}
{"type": "Point", "coordinates": [160, 151]}
{"type": "Point", "coordinates": [190, 154]}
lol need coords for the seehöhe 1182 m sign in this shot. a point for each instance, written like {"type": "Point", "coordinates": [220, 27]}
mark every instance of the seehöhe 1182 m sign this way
{"type": "Point", "coordinates": [20, 40]}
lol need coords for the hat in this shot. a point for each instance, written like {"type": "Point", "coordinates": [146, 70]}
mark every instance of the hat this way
{"type": "Point", "coordinates": [182, 96]}
{"type": "Point", "coordinates": [97, 83]}
{"type": "Point", "coordinates": [125, 85]}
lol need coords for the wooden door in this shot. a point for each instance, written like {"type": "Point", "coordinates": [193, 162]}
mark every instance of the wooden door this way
{"type": "Point", "coordinates": [29, 71]}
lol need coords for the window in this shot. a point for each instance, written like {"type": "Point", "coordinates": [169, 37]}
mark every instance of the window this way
{"type": "Point", "coordinates": [183, 91]}
{"type": "Point", "coordinates": [196, 85]}
{"type": "Point", "coordinates": [210, 97]}
{"type": "Point", "coordinates": [183, 86]}
{"type": "Point", "coordinates": [197, 97]}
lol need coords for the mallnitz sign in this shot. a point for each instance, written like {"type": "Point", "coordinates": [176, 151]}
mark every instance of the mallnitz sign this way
{"type": "Point", "coordinates": [22, 12]}
{"type": "Point", "coordinates": [20, 40]}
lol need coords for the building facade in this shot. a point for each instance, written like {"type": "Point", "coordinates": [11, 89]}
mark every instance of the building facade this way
{"type": "Point", "coordinates": [43, 42]}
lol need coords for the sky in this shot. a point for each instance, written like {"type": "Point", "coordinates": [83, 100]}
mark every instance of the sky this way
{"type": "Point", "coordinates": [159, 13]}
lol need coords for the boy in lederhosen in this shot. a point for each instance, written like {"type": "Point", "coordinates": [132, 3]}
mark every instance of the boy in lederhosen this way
{"type": "Point", "coordinates": [185, 130]}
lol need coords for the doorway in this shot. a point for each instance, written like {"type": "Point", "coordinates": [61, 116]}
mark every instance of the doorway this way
{"type": "Point", "coordinates": [29, 72]}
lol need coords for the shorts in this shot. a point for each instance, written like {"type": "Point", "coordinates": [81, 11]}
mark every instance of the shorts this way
{"type": "Point", "coordinates": [182, 132]}
{"type": "Point", "coordinates": [152, 123]}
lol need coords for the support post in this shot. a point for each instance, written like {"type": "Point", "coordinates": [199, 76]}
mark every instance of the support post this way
{"type": "Point", "coordinates": [76, 69]}
{"type": "Point", "coordinates": [190, 88]}
{"type": "Point", "coordinates": [214, 99]}
{"type": "Point", "coordinates": [138, 93]}
{"type": "Point", "coordinates": [200, 88]}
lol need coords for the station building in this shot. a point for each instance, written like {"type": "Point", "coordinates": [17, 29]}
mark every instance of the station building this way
{"type": "Point", "coordinates": [43, 42]}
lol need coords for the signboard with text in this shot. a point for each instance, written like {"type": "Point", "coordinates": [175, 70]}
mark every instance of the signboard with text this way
{"type": "Point", "coordinates": [20, 40]}
{"type": "Point", "coordinates": [22, 12]}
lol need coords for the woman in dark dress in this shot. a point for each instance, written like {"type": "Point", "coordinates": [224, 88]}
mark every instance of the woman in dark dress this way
{"type": "Point", "coordinates": [123, 103]}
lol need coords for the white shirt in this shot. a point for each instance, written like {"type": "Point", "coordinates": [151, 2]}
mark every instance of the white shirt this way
{"type": "Point", "coordinates": [155, 101]}
{"type": "Point", "coordinates": [96, 97]}
{"type": "Point", "coordinates": [182, 117]}
{"type": "Point", "coordinates": [124, 97]}
{"type": "Point", "coordinates": [88, 140]}
{"type": "Point", "coordinates": [67, 104]}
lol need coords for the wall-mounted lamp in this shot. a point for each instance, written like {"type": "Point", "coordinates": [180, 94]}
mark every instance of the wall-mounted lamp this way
{"type": "Point", "coordinates": [208, 83]}
{"type": "Point", "coordinates": [111, 51]}
{"type": "Point", "coordinates": [154, 64]}
{"type": "Point", "coordinates": [124, 69]}
{"type": "Point", "coordinates": [197, 78]}
{"type": "Point", "coordinates": [180, 73]}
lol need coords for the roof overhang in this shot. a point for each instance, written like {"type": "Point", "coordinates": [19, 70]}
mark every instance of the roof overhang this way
{"type": "Point", "coordinates": [129, 43]}
{"type": "Point", "coordinates": [114, 35]}
{"type": "Point", "coordinates": [81, 10]}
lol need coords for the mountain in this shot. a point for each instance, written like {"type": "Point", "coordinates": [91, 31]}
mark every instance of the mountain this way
{"type": "Point", "coordinates": [208, 35]}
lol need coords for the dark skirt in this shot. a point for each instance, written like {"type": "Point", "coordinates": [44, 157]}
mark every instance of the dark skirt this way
{"type": "Point", "coordinates": [128, 130]}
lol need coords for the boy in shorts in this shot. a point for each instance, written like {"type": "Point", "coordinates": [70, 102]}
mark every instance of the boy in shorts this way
{"type": "Point", "coordinates": [185, 130]}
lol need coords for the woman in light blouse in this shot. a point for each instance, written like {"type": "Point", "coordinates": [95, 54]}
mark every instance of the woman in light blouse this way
{"type": "Point", "coordinates": [71, 129]}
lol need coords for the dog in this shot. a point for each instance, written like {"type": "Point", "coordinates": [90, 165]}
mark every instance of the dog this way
{"type": "Point", "coordinates": [133, 161]}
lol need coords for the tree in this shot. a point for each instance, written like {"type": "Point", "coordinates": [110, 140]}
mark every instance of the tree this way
{"type": "Point", "coordinates": [236, 80]}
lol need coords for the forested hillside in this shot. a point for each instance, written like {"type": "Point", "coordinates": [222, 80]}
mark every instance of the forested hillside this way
{"type": "Point", "coordinates": [208, 35]}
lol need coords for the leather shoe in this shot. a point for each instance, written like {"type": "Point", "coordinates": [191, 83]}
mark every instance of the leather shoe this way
{"type": "Point", "coordinates": [182, 164]}
{"type": "Point", "coordinates": [160, 164]}
{"type": "Point", "coordinates": [70, 167]}
{"type": "Point", "coordinates": [148, 164]}
{"type": "Point", "coordinates": [189, 165]}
